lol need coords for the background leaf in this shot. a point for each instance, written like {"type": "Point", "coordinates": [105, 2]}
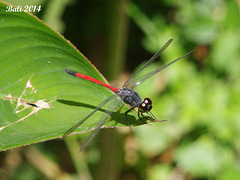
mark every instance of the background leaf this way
{"type": "Point", "coordinates": [38, 100]}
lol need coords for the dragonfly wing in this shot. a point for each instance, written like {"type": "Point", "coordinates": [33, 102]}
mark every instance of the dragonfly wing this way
{"type": "Point", "coordinates": [129, 81]}
{"type": "Point", "coordinates": [114, 103]}
{"type": "Point", "coordinates": [143, 78]}
{"type": "Point", "coordinates": [95, 110]}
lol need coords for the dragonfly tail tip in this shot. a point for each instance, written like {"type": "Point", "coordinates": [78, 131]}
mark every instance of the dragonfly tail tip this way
{"type": "Point", "coordinates": [70, 72]}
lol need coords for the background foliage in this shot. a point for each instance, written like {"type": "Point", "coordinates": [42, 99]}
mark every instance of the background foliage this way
{"type": "Point", "coordinates": [199, 95]}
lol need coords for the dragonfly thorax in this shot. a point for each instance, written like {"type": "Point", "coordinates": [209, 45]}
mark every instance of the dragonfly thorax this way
{"type": "Point", "coordinates": [129, 96]}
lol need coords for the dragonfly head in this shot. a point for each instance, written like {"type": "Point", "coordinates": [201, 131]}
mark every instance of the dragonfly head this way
{"type": "Point", "coordinates": [146, 105]}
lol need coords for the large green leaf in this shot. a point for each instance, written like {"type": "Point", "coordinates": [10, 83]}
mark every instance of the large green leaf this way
{"type": "Point", "coordinates": [38, 100]}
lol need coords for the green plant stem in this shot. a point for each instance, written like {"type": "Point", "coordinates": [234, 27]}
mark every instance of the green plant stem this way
{"type": "Point", "coordinates": [116, 39]}
{"type": "Point", "coordinates": [79, 160]}
{"type": "Point", "coordinates": [109, 165]}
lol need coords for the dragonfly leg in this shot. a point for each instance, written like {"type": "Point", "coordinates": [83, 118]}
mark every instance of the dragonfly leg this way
{"type": "Point", "coordinates": [127, 117]}
{"type": "Point", "coordinates": [142, 117]}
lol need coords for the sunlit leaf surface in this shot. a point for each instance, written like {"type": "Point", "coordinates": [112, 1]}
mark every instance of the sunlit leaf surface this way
{"type": "Point", "coordinates": [38, 100]}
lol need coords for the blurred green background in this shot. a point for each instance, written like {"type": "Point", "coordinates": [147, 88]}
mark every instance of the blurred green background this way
{"type": "Point", "coordinates": [199, 96]}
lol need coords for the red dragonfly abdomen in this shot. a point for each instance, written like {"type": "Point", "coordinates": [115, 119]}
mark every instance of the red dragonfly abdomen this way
{"type": "Point", "coordinates": [88, 78]}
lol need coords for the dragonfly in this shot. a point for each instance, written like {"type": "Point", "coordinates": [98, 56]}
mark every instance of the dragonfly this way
{"type": "Point", "coordinates": [125, 94]}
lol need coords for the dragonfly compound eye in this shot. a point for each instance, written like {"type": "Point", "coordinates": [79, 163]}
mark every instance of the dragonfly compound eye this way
{"type": "Point", "coordinates": [146, 105]}
{"type": "Point", "coordinates": [147, 101]}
